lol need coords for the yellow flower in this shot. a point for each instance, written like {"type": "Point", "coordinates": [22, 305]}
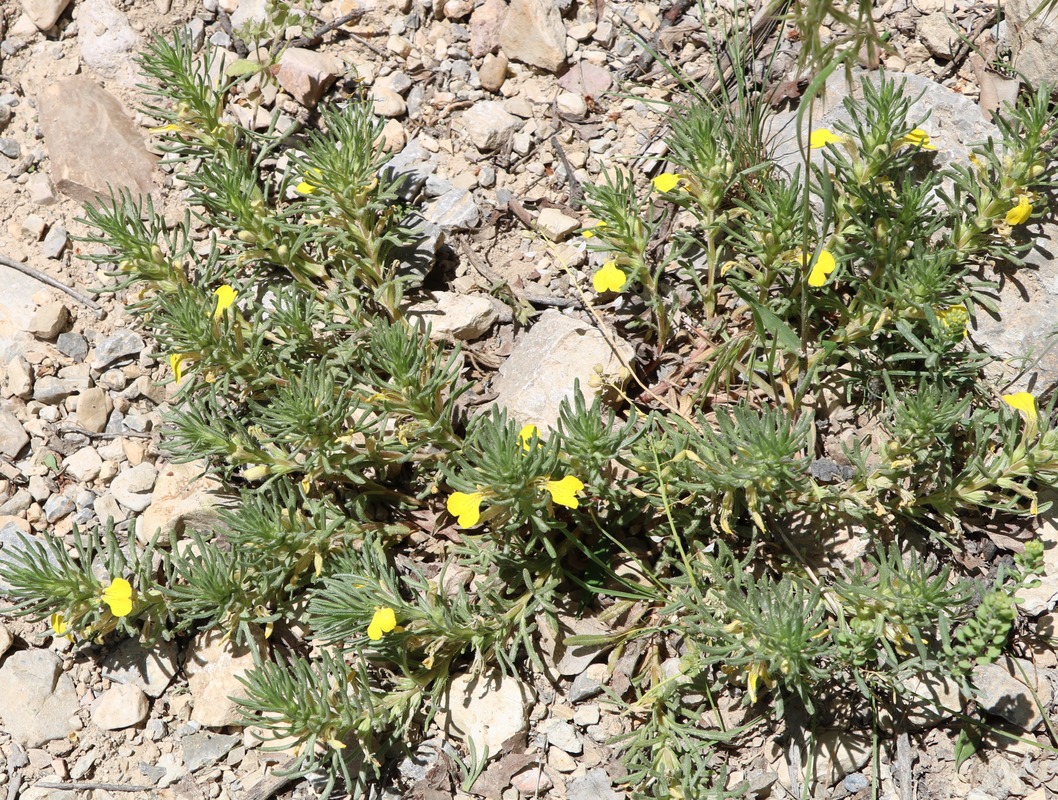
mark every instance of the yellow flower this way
{"type": "Point", "coordinates": [917, 138]}
{"type": "Point", "coordinates": [667, 181]}
{"type": "Point", "coordinates": [175, 361]}
{"type": "Point", "coordinates": [465, 507]}
{"type": "Point", "coordinates": [824, 265]}
{"type": "Point", "coordinates": [564, 492]}
{"type": "Point", "coordinates": [119, 597]}
{"type": "Point", "coordinates": [609, 278]}
{"type": "Point", "coordinates": [1021, 212]}
{"type": "Point", "coordinates": [1023, 402]}
{"type": "Point", "coordinates": [590, 232]}
{"type": "Point", "coordinates": [954, 320]}
{"type": "Point", "coordinates": [384, 620]}
{"type": "Point", "coordinates": [526, 435]}
{"type": "Point", "coordinates": [305, 187]}
{"type": "Point", "coordinates": [821, 137]}
{"type": "Point", "coordinates": [58, 625]}
{"type": "Point", "coordinates": [758, 672]}
{"type": "Point", "coordinates": [225, 298]}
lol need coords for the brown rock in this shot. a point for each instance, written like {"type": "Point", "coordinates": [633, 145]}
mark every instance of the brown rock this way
{"type": "Point", "coordinates": [306, 74]}
{"type": "Point", "coordinates": [93, 409]}
{"type": "Point", "coordinates": [49, 320]}
{"type": "Point", "coordinates": [493, 72]}
{"type": "Point", "coordinates": [92, 142]}
{"type": "Point", "coordinates": [534, 34]}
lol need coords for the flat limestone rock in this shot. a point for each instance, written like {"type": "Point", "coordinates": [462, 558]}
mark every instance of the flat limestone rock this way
{"type": "Point", "coordinates": [92, 142]}
{"type": "Point", "coordinates": [38, 701]}
{"type": "Point", "coordinates": [544, 367]}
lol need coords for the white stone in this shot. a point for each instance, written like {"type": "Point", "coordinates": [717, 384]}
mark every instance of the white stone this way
{"type": "Point", "coordinates": [213, 668]}
{"type": "Point", "coordinates": [388, 103]}
{"type": "Point", "coordinates": [38, 701]}
{"type": "Point", "coordinates": [572, 105]}
{"type": "Point", "coordinates": [20, 378]}
{"type": "Point", "coordinates": [487, 709]}
{"type": "Point", "coordinates": [555, 353]}
{"type": "Point", "coordinates": [182, 497]}
{"type": "Point", "coordinates": [84, 465]}
{"type": "Point", "coordinates": [555, 224]}
{"type": "Point", "coordinates": [120, 706]}
{"type": "Point", "coordinates": [456, 316]}
{"type": "Point", "coordinates": [44, 13]}
{"type": "Point", "coordinates": [489, 125]}
{"type": "Point", "coordinates": [132, 488]}
{"type": "Point", "coordinates": [107, 41]}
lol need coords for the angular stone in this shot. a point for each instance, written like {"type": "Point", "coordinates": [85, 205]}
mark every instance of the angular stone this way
{"type": "Point", "coordinates": [121, 344]}
{"type": "Point", "coordinates": [456, 316]}
{"type": "Point", "coordinates": [107, 41]}
{"type": "Point", "coordinates": [44, 13]}
{"type": "Point", "coordinates": [50, 390]}
{"type": "Point", "coordinates": [118, 707]}
{"type": "Point", "coordinates": [91, 142]}
{"type": "Point", "coordinates": [20, 378]}
{"type": "Point", "coordinates": [72, 345]}
{"type": "Point", "coordinates": [585, 78]}
{"type": "Point", "coordinates": [93, 409]}
{"type": "Point", "coordinates": [13, 436]}
{"type": "Point", "coordinates": [84, 465]}
{"type": "Point", "coordinates": [533, 33]}
{"type": "Point", "coordinates": [41, 190]}
{"type": "Point", "coordinates": [1002, 690]}
{"type": "Point", "coordinates": [589, 683]}
{"type": "Point", "coordinates": [488, 709]}
{"type": "Point", "coordinates": [55, 242]}
{"type": "Point", "coordinates": [595, 785]}
{"type": "Point", "coordinates": [202, 749]}
{"type": "Point", "coordinates": [560, 734]}
{"type": "Point", "coordinates": [485, 24]}
{"type": "Point", "coordinates": [132, 488]}
{"type": "Point", "coordinates": [532, 782]}
{"type": "Point", "coordinates": [938, 35]}
{"type": "Point", "coordinates": [148, 669]}
{"type": "Point", "coordinates": [182, 498]}
{"type": "Point", "coordinates": [48, 320]}
{"type": "Point", "coordinates": [489, 125]}
{"type": "Point", "coordinates": [555, 353]}
{"type": "Point", "coordinates": [213, 668]}
{"type": "Point", "coordinates": [6, 639]}
{"type": "Point", "coordinates": [556, 225]}
{"type": "Point", "coordinates": [454, 210]}
{"type": "Point", "coordinates": [38, 701]}
{"type": "Point", "coordinates": [1035, 43]}
{"type": "Point", "coordinates": [57, 507]}
{"type": "Point", "coordinates": [306, 74]}
{"type": "Point", "coordinates": [388, 103]}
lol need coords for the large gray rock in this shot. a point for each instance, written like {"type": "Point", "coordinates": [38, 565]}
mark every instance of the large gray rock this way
{"type": "Point", "coordinates": [555, 353]}
{"type": "Point", "coordinates": [107, 41]}
{"type": "Point", "coordinates": [1004, 689]}
{"type": "Point", "coordinates": [533, 33]}
{"type": "Point", "coordinates": [91, 142]}
{"type": "Point", "coordinates": [38, 702]}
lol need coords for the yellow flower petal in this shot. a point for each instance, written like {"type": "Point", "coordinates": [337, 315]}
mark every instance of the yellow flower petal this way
{"type": "Point", "coordinates": [955, 320]}
{"type": "Point", "coordinates": [305, 188]}
{"type": "Point", "coordinates": [917, 138]}
{"type": "Point", "coordinates": [465, 507]}
{"type": "Point", "coordinates": [824, 265]}
{"type": "Point", "coordinates": [1021, 212]}
{"type": "Point", "coordinates": [119, 597]}
{"type": "Point", "coordinates": [564, 492]}
{"type": "Point", "coordinates": [384, 620]}
{"type": "Point", "coordinates": [609, 278]}
{"type": "Point", "coordinates": [526, 434]}
{"type": "Point", "coordinates": [225, 298]}
{"type": "Point", "coordinates": [58, 625]}
{"type": "Point", "coordinates": [667, 181]}
{"type": "Point", "coordinates": [1023, 402]}
{"type": "Point", "coordinates": [175, 360]}
{"type": "Point", "coordinates": [821, 137]}
{"type": "Point", "coordinates": [590, 232]}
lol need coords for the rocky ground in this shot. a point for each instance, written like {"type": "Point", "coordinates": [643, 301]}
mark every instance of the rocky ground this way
{"type": "Point", "coordinates": [501, 111]}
